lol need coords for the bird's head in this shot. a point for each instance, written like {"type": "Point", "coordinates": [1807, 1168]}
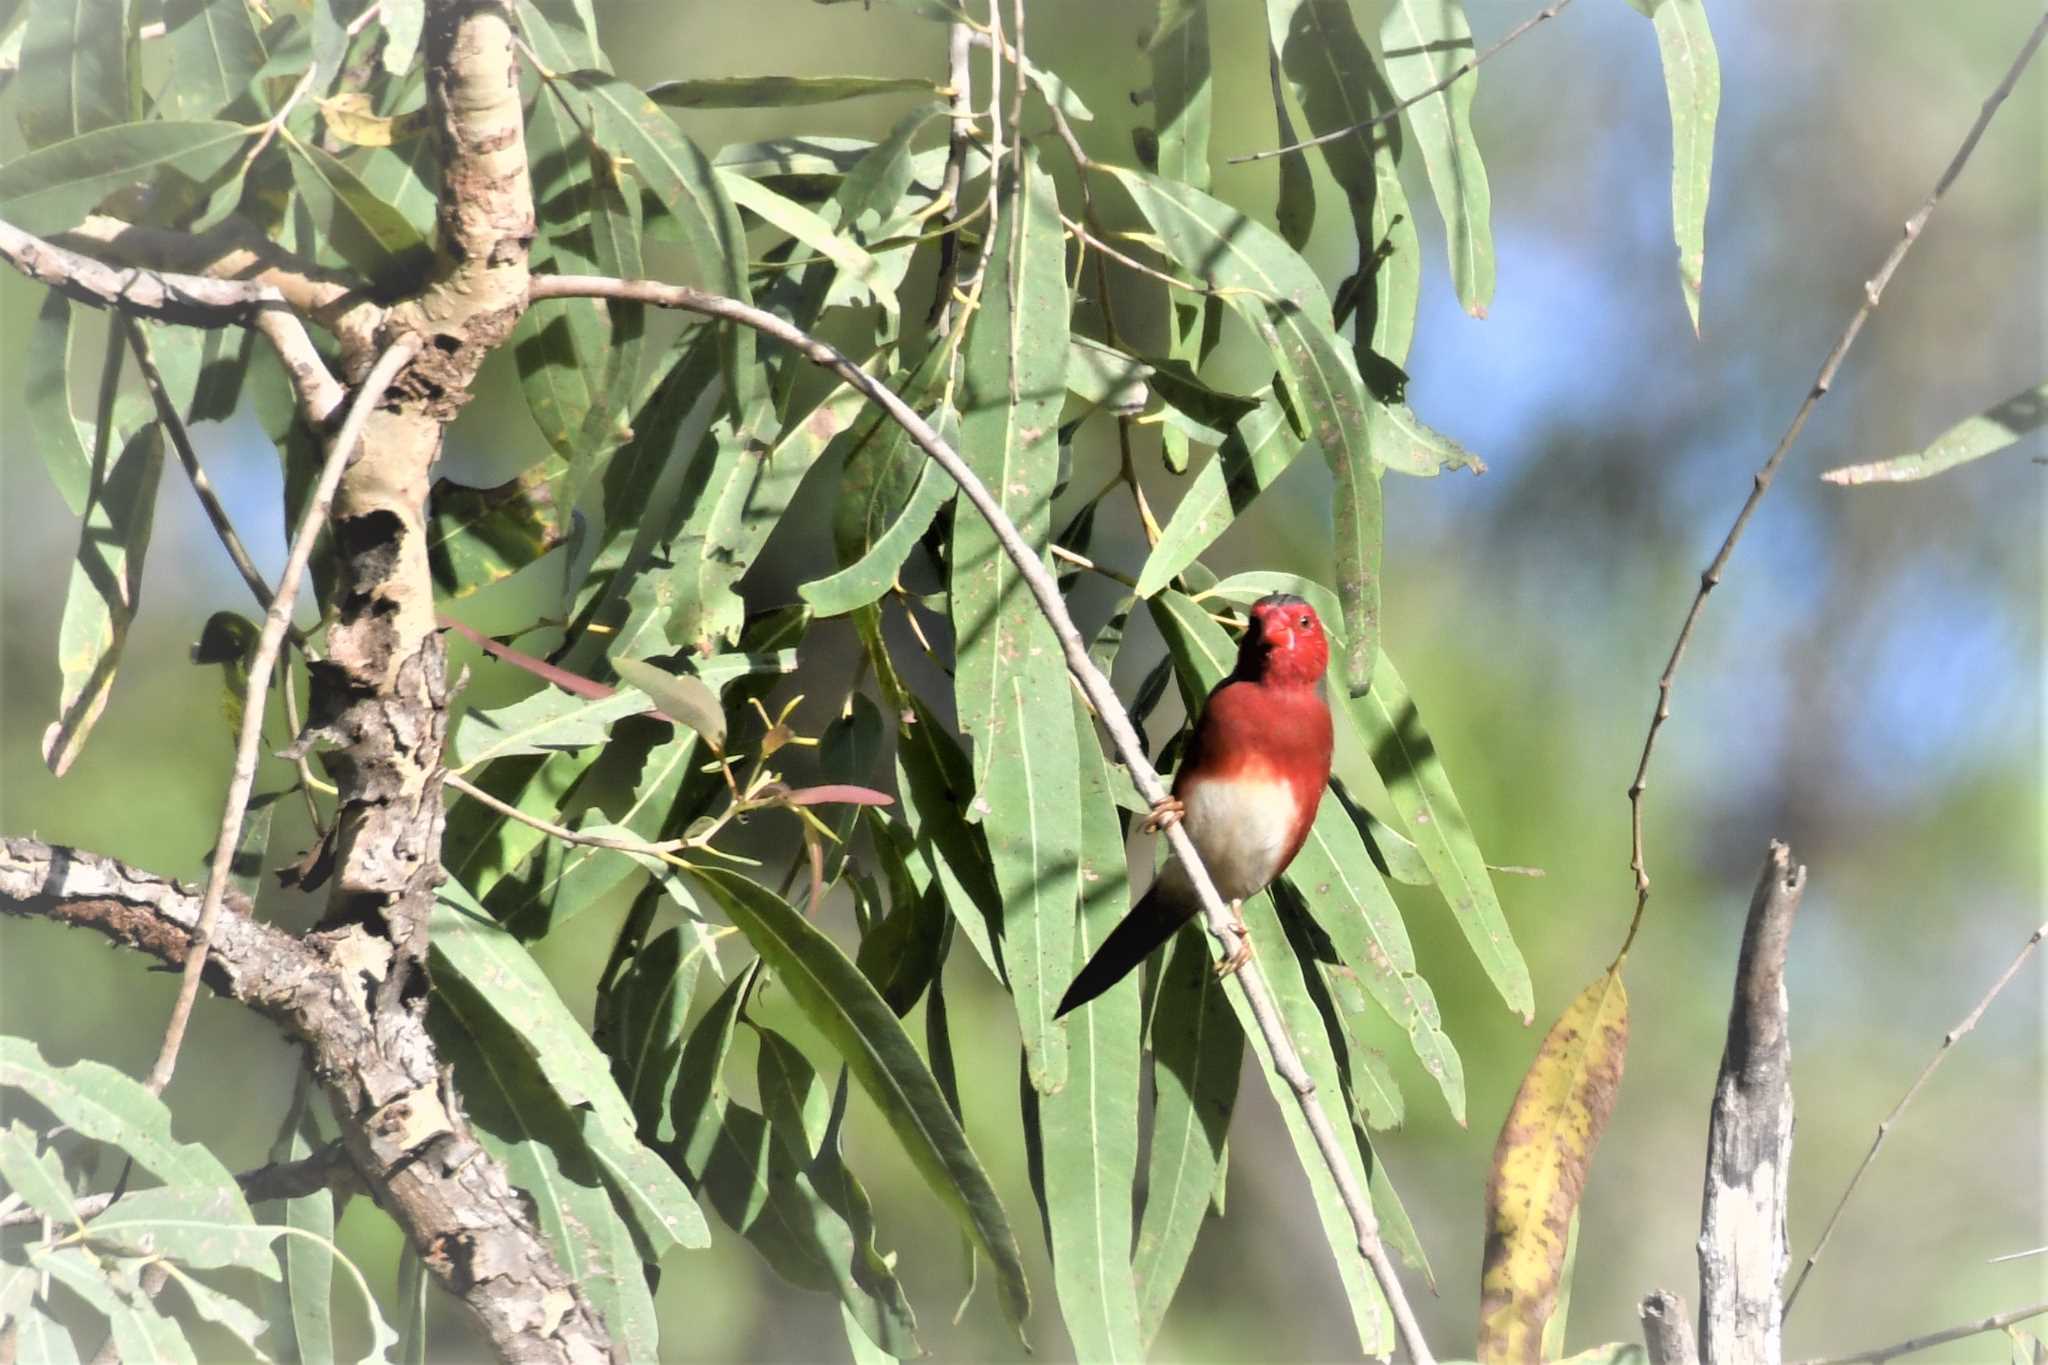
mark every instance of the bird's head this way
{"type": "Point", "coordinates": [1284, 644]}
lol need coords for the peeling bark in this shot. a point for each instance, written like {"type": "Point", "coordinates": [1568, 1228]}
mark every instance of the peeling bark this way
{"type": "Point", "coordinates": [402, 1126]}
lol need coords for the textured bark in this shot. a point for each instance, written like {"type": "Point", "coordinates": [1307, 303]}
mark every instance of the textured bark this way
{"type": "Point", "coordinates": [1743, 1245]}
{"type": "Point", "coordinates": [405, 1134]}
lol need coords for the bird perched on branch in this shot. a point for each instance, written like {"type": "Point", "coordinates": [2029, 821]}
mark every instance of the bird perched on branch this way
{"type": "Point", "coordinates": [1246, 792]}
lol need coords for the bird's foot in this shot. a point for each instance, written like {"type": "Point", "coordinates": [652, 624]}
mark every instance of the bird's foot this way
{"type": "Point", "coordinates": [1234, 963]}
{"type": "Point", "coordinates": [1166, 812]}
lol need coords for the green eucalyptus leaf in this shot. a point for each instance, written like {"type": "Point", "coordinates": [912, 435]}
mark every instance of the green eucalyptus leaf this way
{"type": "Point", "coordinates": [1424, 41]}
{"type": "Point", "coordinates": [859, 1024]}
{"type": "Point", "coordinates": [57, 185]}
{"type": "Point", "coordinates": [1089, 1128]}
{"type": "Point", "coordinates": [1692, 83]}
{"type": "Point", "coordinates": [1970, 439]}
{"type": "Point", "coordinates": [1197, 1058]}
{"type": "Point", "coordinates": [73, 72]}
{"type": "Point", "coordinates": [105, 585]}
{"type": "Point", "coordinates": [779, 92]}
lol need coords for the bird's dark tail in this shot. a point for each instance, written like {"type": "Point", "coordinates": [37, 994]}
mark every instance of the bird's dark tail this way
{"type": "Point", "coordinates": [1151, 922]}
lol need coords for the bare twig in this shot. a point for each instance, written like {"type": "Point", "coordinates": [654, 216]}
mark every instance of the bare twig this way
{"type": "Point", "coordinates": [1465, 67]}
{"type": "Point", "coordinates": [202, 487]}
{"type": "Point", "coordinates": [1667, 1333]}
{"type": "Point", "coordinates": [1995, 1323]}
{"type": "Point", "coordinates": [1948, 1041]}
{"type": "Point", "coordinates": [1101, 695]}
{"type": "Point", "coordinates": [1873, 290]}
{"type": "Point", "coordinates": [268, 643]}
{"type": "Point", "coordinates": [664, 850]}
{"type": "Point", "coordinates": [1743, 1251]}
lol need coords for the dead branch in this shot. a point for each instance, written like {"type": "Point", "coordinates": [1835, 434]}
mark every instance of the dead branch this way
{"type": "Point", "coordinates": [1743, 1250]}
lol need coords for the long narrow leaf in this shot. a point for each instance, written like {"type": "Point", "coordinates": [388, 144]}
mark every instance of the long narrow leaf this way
{"type": "Point", "coordinates": [1424, 40]}
{"type": "Point", "coordinates": [1692, 83]}
{"type": "Point", "coordinates": [1090, 1127]}
{"type": "Point", "coordinates": [1970, 439]}
{"type": "Point", "coordinates": [838, 1000]}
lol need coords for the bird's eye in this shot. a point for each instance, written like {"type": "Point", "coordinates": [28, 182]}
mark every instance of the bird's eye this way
{"type": "Point", "coordinates": [1304, 623]}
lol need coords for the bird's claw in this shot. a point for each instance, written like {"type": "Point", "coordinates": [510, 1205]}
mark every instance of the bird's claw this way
{"type": "Point", "coordinates": [1242, 954]}
{"type": "Point", "coordinates": [1166, 812]}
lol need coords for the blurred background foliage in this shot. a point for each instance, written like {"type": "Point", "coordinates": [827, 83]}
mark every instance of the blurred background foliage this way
{"type": "Point", "coordinates": [1867, 683]}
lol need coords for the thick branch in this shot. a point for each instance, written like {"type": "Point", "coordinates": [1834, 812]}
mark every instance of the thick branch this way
{"type": "Point", "coordinates": [411, 1145]}
{"type": "Point", "coordinates": [1101, 695]}
{"type": "Point", "coordinates": [268, 645]}
{"type": "Point", "coordinates": [236, 252]}
{"type": "Point", "coordinates": [1667, 1335]}
{"type": "Point", "coordinates": [195, 300]}
{"type": "Point", "coordinates": [1743, 1250]}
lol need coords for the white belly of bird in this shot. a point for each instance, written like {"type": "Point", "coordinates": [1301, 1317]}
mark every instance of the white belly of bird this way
{"type": "Point", "coordinates": [1240, 825]}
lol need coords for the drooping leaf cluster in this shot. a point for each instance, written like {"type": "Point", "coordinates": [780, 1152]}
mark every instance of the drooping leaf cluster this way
{"type": "Point", "coordinates": [655, 644]}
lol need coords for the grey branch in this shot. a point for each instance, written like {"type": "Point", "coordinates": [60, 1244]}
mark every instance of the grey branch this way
{"type": "Point", "coordinates": [1948, 1041]}
{"type": "Point", "coordinates": [1095, 686]}
{"type": "Point", "coordinates": [1743, 1250]}
{"type": "Point", "coordinates": [194, 300]}
{"type": "Point", "coordinates": [1667, 1333]}
{"type": "Point", "coordinates": [1997, 1322]}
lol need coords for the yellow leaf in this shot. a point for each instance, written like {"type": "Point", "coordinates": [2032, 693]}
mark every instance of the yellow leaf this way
{"type": "Point", "coordinates": [1540, 1165]}
{"type": "Point", "coordinates": [349, 118]}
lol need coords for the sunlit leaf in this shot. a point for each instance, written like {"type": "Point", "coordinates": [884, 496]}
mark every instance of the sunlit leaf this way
{"type": "Point", "coordinates": [1424, 41]}
{"type": "Point", "coordinates": [685, 699]}
{"type": "Point", "coordinates": [105, 587]}
{"type": "Point", "coordinates": [1540, 1164]}
{"type": "Point", "coordinates": [1692, 81]}
{"type": "Point", "coordinates": [1256, 452]}
{"type": "Point", "coordinates": [634, 127]}
{"type": "Point", "coordinates": [215, 54]}
{"type": "Point", "coordinates": [1197, 1056]}
{"type": "Point", "coordinates": [1182, 102]}
{"type": "Point", "coordinates": [1407, 760]}
{"type": "Point", "coordinates": [1972, 438]}
{"type": "Point", "coordinates": [107, 1106]}
{"type": "Point", "coordinates": [203, 1227]}
{"type": "Point", "coordinates": [1338, 82]}
{"type": "Point", "coordinates": [34, 1171]}
{"type": "Point", "coordinates": [55, 186]}
{"type": "Point", "coordinates": [139, 1332]}
{"type": "Point", "coordinates": [73, 73]}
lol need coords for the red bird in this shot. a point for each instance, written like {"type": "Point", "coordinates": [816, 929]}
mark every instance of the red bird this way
{"type": "Point", "coordinates": [1247, 789]}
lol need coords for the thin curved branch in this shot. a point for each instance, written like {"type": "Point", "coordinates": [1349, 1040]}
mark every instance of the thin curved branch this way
{"type": "Point", "coordinates": [1873, 290]}
{"type": "Point", "coordinates": [268, 644]}
{"type": "Point", "coordinates": [1101, 695]}
{"type": "Point", "coordinates": [1463, 69]}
